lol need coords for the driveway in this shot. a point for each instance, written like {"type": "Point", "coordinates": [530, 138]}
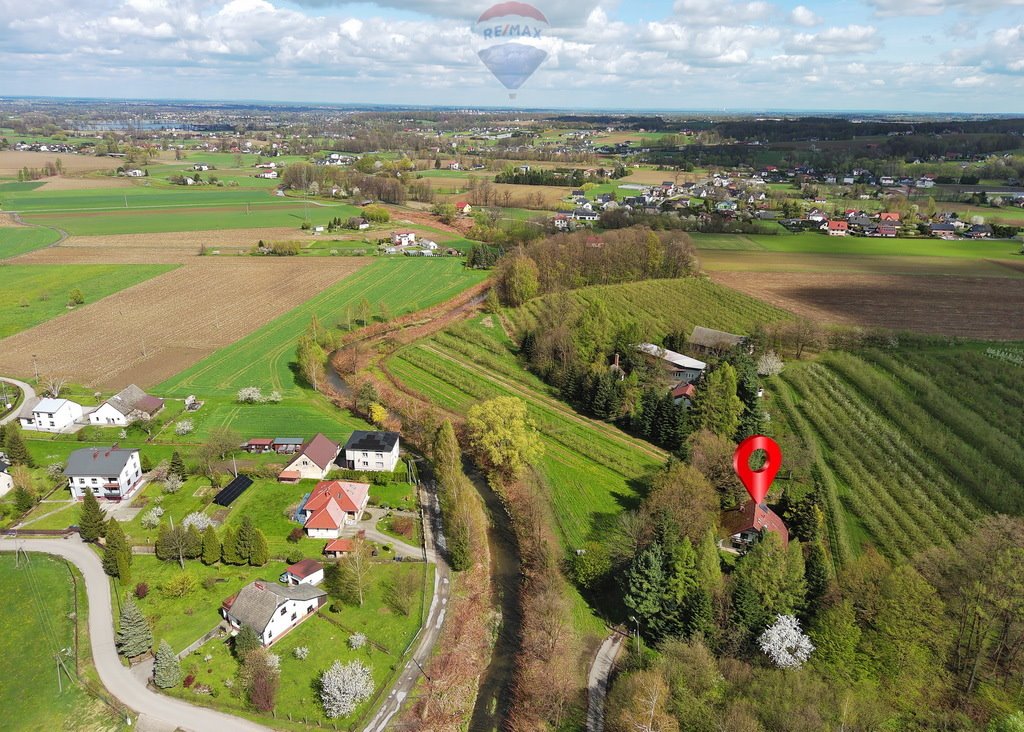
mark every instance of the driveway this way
{"type": "Point", "coordinates": [30, 394]}
{"type": "Point", "coordinates": [159, 711]}
{"type": "Point", "coordinates": [597, 680]}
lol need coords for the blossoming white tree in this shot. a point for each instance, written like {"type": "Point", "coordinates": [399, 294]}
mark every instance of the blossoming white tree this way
{"type": "Point", "coordinates": [343, 687]}
{"type": "Point", "coordinates": [197, 519]}
{"type": "Point", "coordinates": [785, 644]}
{"type": "Point", "coordinates": [769, 364]}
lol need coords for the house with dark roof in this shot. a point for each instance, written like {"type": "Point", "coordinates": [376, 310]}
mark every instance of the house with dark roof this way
{"type": "Point", "coordinates": [128, 405]}
{"type": "Point", "coordinates": [110, 473]}
{"type": "Point", "coordinates": [272, 609]}
{"type": "Point", "coordinates": [331, 506]}
{"type": "Point", "coordinates": [676, 366]}
{"type": "Point", "coordinates": [746, 525]}
{"type": "Point", "coordinates": [314, 460]}
{"type": "Point", "coordinates": [367, 450]}
{"type": "Point", "coordinates": [304, 572]}
{"type": "Point", "coordinates": [709, 340]}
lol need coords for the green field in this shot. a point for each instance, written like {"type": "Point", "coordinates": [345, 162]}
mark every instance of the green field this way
{"type": "Point", "coordinates": [18, 240]}
{"type": "Point", "coordinates": [34, 625]}
{"type": "Point", "coordinates": [815, 243]}
{"type": "Point", "coordinates": [33, 293]}
{"type": "Point", "coordinates": [926, 464]}
{"type": "Point", "coordinates": [265, 357]}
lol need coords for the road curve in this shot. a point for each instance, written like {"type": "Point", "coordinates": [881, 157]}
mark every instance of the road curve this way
{"type": "Point", "coordinates": [119, 681]}
{"type": "Point", "coordinates": [597, 681]}
{"type": "Point", "coordinates": [30, 394]}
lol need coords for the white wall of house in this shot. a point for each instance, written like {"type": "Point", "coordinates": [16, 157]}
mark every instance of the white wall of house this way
{"type": "Point", "coordinates": [66, 415]}
{"type": "Point", "coordinates": [308, 470]}
{"type": "Point", "coordinates": [128, 479]}
{"type": "Point", "coordinates": [323, 533]}
{"type": "Point", "coordinates": [369, 460]}
{"type": "Point", "coordinates": [314, 579]}
{"type": "Point", "coordinates": [107, 415]}
{"type": "Point", "coordinates": [6, 483]}
{"type": "Point", "coordinates": [283, 618]}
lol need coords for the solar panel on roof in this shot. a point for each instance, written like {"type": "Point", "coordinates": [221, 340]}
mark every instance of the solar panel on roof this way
{"type": "Point", "coordinates": [233, 490]}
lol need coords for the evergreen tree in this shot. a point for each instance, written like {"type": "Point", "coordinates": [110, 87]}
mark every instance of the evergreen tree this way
{"type": "Point", "coordinates": [193, 543]}
{"type": "Point", "coordinates": [117, 554]}
{"type": "Point", "coordinates": [166, 668]}
{"type": "Point", "coordinates": [211, 546]}
{"type": "Point", "coordinates": [229, 548]}
{"type": "Point", "coordinates": [245, 540]}
{"type": "Point", "coordinates": [91, 525]}
{"type": "Point", "coordinates": [818, 574]}
{"type": "Point", "coordinates": [748, 611]}
{"type": "Point", "coordinates": [681, 570]}
{"type": "Point", "coordinates": [260, 552]}
{"type": "Point", "coordinates": [709, 564]}
{"type": "Point", "coordinates": [245, 642]}
{"type": "Point", "coordinates": [700, 614]}
{"type": "Point", "coordinates": [177, 466]}
{"type": "Point", "coordinates": [15, 448]}
{"type": "Point", "coordinates": [163, 543]}
{"type": "Point", "coordinates": [835, 635]}
{"type": "Point", "coordinates": [133, 636]}
{"type": "Point", "coordinates": [716, 407]}
{"type": "Point", "coordinates": [646, 589]}
{"type": "Point", "coordinates": [774, 576]}
{"type": "Point", "coordinates": [795, 588]}
{"type": "Point", "coordinates": [24, 500]}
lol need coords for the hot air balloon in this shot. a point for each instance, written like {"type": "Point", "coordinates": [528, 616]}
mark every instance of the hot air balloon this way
{"type": "Point", "coordinates": [511, 34]}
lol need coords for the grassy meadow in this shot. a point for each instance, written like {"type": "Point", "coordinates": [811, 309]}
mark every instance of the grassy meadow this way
{"type": "Point", "coordinates": [817, 243]}
{"type": "Point", "coordinates": [19, 240]}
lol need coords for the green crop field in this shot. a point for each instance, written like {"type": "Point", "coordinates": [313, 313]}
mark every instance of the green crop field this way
{"type": "Point", "coordinates": [33, 293]}
{"type": "Point", "coordinates": [15, 241]}
{"type": "Point", "coordinates": [663, 306]}
{"type": "Point", "coordinates": [925, 463]}
{"type": "Point", "coordinates": [36, 623]}
{"type": "Point", "coordinates": [265, 357]}
{"type": "Point", "coordinates": [815, 243]}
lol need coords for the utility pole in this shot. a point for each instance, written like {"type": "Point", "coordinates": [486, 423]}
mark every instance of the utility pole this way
{"type": "Point", "coordinates": [35, 367]}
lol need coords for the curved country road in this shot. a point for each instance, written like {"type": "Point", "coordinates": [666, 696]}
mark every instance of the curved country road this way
{"type": "Point", "coordinates": [30, 394]}
{"type": "Point", "coordinates": [119, 680]}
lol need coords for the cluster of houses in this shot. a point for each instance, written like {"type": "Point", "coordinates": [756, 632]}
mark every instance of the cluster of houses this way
{"type": "Point", "coordinates": [682, 371]}
{"type": "Point", "coordinates": [47, 414]}
{"type": "Point", "coordinates": [364, 451]}
{"type": "Point", "coordinates": [406, 242]}
{"type": "Point", "coordinates": [51, 147]}
{"type": "Point", "coordinates": [886, 224]}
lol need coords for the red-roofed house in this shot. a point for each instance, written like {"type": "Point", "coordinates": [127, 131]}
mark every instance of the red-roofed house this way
{"type": "Point", "coordinates": [313, 460]}
{"type": "Point", "coordinates": [259, 444]}
{"type": "Point", "coordinates": [838, 228]}
{"type": "Point", "coordinates": [331, 506]}
{"type": "Point", "coordinates": [463, 208]}
{"type": "Point", "coordinates": [305, 572]}
{"type": "Point", "coordinates": [683, 392]}
{"type": "Point", "coordinates": [338, 548]}
{"type": "Point", "coordinates": [890, 216]}
{"type": "Point", "coordinates": [748, 523]}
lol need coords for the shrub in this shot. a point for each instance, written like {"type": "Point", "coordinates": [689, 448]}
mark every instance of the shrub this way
{"type": "Point", "coordinates": [54, 470]}
{"type": "Point", "coordinates": [173, 484]}
{"type": "Point", "coordinates": [343, 687]}
{"type": "Point", "coordinates": [181, 585]}
{"type": "Point", "coordinates": [296, 535]}
{"type": "Point", "coordinates": [295, 555]}
{"type": "Point", "coordinates": [151, 519]}
{"type": "Point", "coordinates": [274, 398]}
{"type": "Point", "coordinates": [184, 427]}
{"type": "Point", "coordinates": [189, 680]}
{"type": "Point", "coordinates": [141, 590]}
{"type": "Point", "coordinates": [198, 519]}
{"type": "Point", "coordinates": [250, 395]}
{"type": "Point", "coordinates": [76, 297]}
{"type": "Point", "coordinates": [301, 653]}
{"type": "Point", "coordinates": [356, 641]}
{"type": "Point", "coordinates": [209, 583]}
{"type": "Point", "coordinates": [403, 526]}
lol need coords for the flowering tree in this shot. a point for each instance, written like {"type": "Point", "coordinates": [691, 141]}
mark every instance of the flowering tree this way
{"type": "Point", "coordinates": [250, 395]}
{"type": "Point", "coordinates": [770, 364]}
{"type": "Point", "coordinates": [197, 519]}
{"type": "Point", "coordinates": [151, 519]}
{"type": "Point", "coordinates": [343, 687]}
{"type": "Point", "coordinates": [173, 484]}
{"type": "Point", "coordinates": [183, 427]}
{"type": "Point", "coordinates": [785, 644]}
{"type": "Point", "coordinates": [356, 641]}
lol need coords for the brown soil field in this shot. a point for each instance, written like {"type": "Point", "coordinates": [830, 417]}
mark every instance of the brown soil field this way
{"type": "Point", "coordinates": [969, 307]}
{"type": "Point", "coordinates": [157, 248]}
{"type": "Point", "coordinates": [155, 329]}
{"type": "Point", "coordinates": [11, 161]}
{"type": "Point", "coordinates": [62, 183]}
{"type": "Point", "coordinates": [7, 220]}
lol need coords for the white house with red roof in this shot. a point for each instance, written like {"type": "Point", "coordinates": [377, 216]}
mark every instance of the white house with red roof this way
{"type": "Point", "coordinates": [746, 525]}
{"type": "Point", "coordinates": [331, 506]}
{"type": "Point", "coordinates": [463, 208]}
{"type": "Point", "coordinates": [305, 572]}
{"type": "Point", "coordinates": [314, 460]}
{"type": "Point", "coordinates": [838, 227]}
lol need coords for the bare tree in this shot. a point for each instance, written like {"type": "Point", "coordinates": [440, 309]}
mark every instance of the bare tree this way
{"type": "Point", "coordinates": [54, 385]}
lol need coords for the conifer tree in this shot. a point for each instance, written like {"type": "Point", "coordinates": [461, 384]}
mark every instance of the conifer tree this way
{"type": "Point", "coordinates": [818, 574]}
{"type": "Point", "coordinates": [15, 448]}
{"type": "Point", "coordinates": [177, 466]}
{"type": "Point", "coordinates": [229, 548]}
{"type": "Point", "coordinates": [245, 540]}
{"type": "Point", "coordinates": [193, 543]}
{"type": "Point", "coordinates": [260, 552]}
{"type": "Point", "coordinates": [211, 546]}
{"type": "Point", "coordinates": [716, 407]}
{"type": "Point", "coordinates": [117, 554]}
{"type": "Point", "coordinates": [91, 525]}
{"type": "Point", "coordinates": [134, 636]}
{"type": "Point", "coordinates": [166, 668]}
{"type": "Point", "coordinates": [709, 564]}
{"type": "Point", "coordinates": [246, 641]}
{"type": "Point", "coordinates": [645, 587]}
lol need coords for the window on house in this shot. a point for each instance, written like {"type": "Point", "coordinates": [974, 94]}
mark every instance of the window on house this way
{"type": "Point", "coordinates": [284, 610]}
{"type": "Point", "coordinates": [295, 616]}
{"type": "Point", "coordinates": [93, 480]}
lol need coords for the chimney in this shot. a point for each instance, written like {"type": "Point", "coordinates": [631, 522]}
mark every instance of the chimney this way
{"type": "Point", "coordinates": [615, 362]}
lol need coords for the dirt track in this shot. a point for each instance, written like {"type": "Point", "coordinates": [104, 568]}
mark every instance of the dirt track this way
{"type": "Point", "coordinates": [969, 307]}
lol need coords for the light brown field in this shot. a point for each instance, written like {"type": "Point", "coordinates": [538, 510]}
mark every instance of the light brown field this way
{"type": "Point", "coordinates": [11, 161]}
{"type": "Point", "coordinates": [149, 332]}
{"type": "Point", "coordinates": [62, 183]}
{"type": "Point", "coordinates": [969, 307]}
{"type": "Point", "coordinates": [8, 221]}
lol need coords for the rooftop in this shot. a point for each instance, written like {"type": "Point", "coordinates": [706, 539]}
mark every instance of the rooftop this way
{"type": "Point", "coordinates": [372, 441]}
{"type": "Point", "coordinates": [106, 461]}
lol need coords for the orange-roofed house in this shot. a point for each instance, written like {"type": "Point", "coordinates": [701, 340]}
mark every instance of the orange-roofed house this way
{"type": "Point", "coordinates": [746, 525]}
{"type": "Point", "coordinates": [838, 228]}
{"type": "Point", "coordinates": [463, 208]}
{"type": "Point", "coordinates": [315, 459]}
{"type": "Point", "coordinates": [331, 506]}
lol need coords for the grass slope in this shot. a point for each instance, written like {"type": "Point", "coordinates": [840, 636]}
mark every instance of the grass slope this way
{"type": "Point", "coordinates": [17, 240]}
{"type": "Point", "coordinates": [266, 357]}
{"type": "Point", "coordinates": [33, 293]}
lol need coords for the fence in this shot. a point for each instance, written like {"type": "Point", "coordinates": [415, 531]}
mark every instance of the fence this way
{"type": "Point", "coordinates": [14, 533]}
{"type": "Point", "coordinates": [197, 644]}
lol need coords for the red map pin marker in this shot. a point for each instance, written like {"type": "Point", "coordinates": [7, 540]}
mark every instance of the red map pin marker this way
{"type": "Point", "coordinates": [757, 482]}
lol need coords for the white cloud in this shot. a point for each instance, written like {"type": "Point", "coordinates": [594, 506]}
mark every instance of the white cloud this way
{"type": "Point", "coordinates": [890, 8]}
{"type": "Point", "coordinates": [720, 12]}
{"type": "Point", "coordinates": [804, 16]}
{"type": "Point", "coordinates": [967, 82]}
{"type": "Point", "coordinates": [848, 40]}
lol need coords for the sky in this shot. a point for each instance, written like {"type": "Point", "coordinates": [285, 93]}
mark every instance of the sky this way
{"type": "Point", "coordinates": [717, 55]}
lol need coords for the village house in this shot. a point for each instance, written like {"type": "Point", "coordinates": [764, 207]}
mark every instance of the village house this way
{"type": "Point", "coordinates": [6, 481]}
{"type": "Point", "coordinates": [331, 506]}
{"type": "Point", "coordinates": [463, 208]}
{"type": "Point", "coordinates": [128, 405]}
{"type": "Point", "coordinates": [585, 214]}
{"type": "Point", "coordinates": [259, 445]}
{"type": "Point", "coordinates": [135, 173]}
{"type": "Point", "coordinates": [337, 548]}
{"type": "Point", "coordinates": [314, 460]}
{"type": "Point", "coordinates": [110, 473]}
{"type": "Point", "coordinates": [287, 445]}
{"type": "Point", "coordinates": [675, 365]}
{"type": "Point", "coordinates": [50, 415]}
{"type": "Point", "coordinates": [201, 166]}
{"type": "Point", "coordinates": [709, 340]}
{"type": "Point", "coordinates": [838, 228]}
{"type": "Point", "coordinates": [270, 175]}
{"type": "Point", "coordinates": [376, 451]}
{"type": "Point", "coordinates": [747, 524]}
{"type": "Point", "coordinates": [270, 609]}
{"type": "Point", "coordinates": [305, 572]}
{"type": "Point", "coordinates": [403, 238]}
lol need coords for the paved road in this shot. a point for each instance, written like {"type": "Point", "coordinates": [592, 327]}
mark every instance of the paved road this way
{"type": "Point", "coordinates": [30, 393]}
{"type": "Point", "coordinates": [597, 681]}
{"type": "Point", "coordinates": [435, 616]}
{"type": "Point", "coordinates": [159, 711]}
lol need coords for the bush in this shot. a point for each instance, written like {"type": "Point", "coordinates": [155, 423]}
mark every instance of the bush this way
{"type": "Point", "coordinates": [173, 484]}
{"type": "Point", "coordinates": [184, 427]}
{"type": "Point", "coordinates": [403, 526]}
{"type": "Point", "coordinates": [301, 653]}
{"type": "Point", "coordinates": [209, 583]}
{"type": "Point", "coordinates": [181, 585]}
{"type": "Point", "coordinates": [189, 680]}
{"type": "Point", "coordinates": [198, 519]}
{"type": "Point", "coordinates": [141, 590]}
{"type": "Point", "coordinates": [151, 519]}
{"type": "Point", "coordinates": [295, 555]}
{"type": "Point", "coordinates": [356, 641]}
{"type": "Point", "coordinates": [250, 395]}
{"type": "Point", "coordinates": [76, 297]}
{"type": "Point", "coordinates": [296, 535]}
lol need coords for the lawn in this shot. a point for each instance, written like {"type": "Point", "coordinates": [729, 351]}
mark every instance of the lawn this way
{"type": "Point", "coordinates": [393, 495]}
{"type": "Point", "coordinates": [270, 505]}
{"type": "Point", "coordinates": [33, 293]}
{"type": "Point", "coordinates": [815, 243]}
{"type": "Point", "coordinates": [266, 357]}
{"type": "Point", "coordinates": [389, 633]}
{"type": "Point", "coordinates": [15, 241]}
{"type": "Point", "coordinates": [194, 495]}
{"type": "Point", "coordinates": [35, 623]}
{"type": "Point", "coordinates": [54, 515]}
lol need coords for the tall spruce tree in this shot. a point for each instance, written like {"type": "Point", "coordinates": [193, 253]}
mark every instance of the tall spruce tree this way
{"type": "Point", "coordinates": [211, 546]}
{"type": "Point", "coordinates": [193, 548]}
{"type": "Point", "coordinates": [177, 466]}
{"type": "Point", "coordinates": [260, 553]}
{"type": "Point", "coordinates": [818, 574]}
{"type": "Point", "coordinates": [117, 553]}
{"type": "Point", "coordinates": [716, 407]}
{"type": "Point", "coordinates": [166, 668]}
{"type": "Point", "coordinates": [646, 588]}
{"type": "Point", "coordinates": [245, 540]}
{"type": "Point", "coordinates": [229, 548]}
{"type": "Point", "coordinates": [134, 636]}
{"type": "Point", "coordinates": [15, 448]}
{"type": "Point", "coordinates": [91, 525]}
